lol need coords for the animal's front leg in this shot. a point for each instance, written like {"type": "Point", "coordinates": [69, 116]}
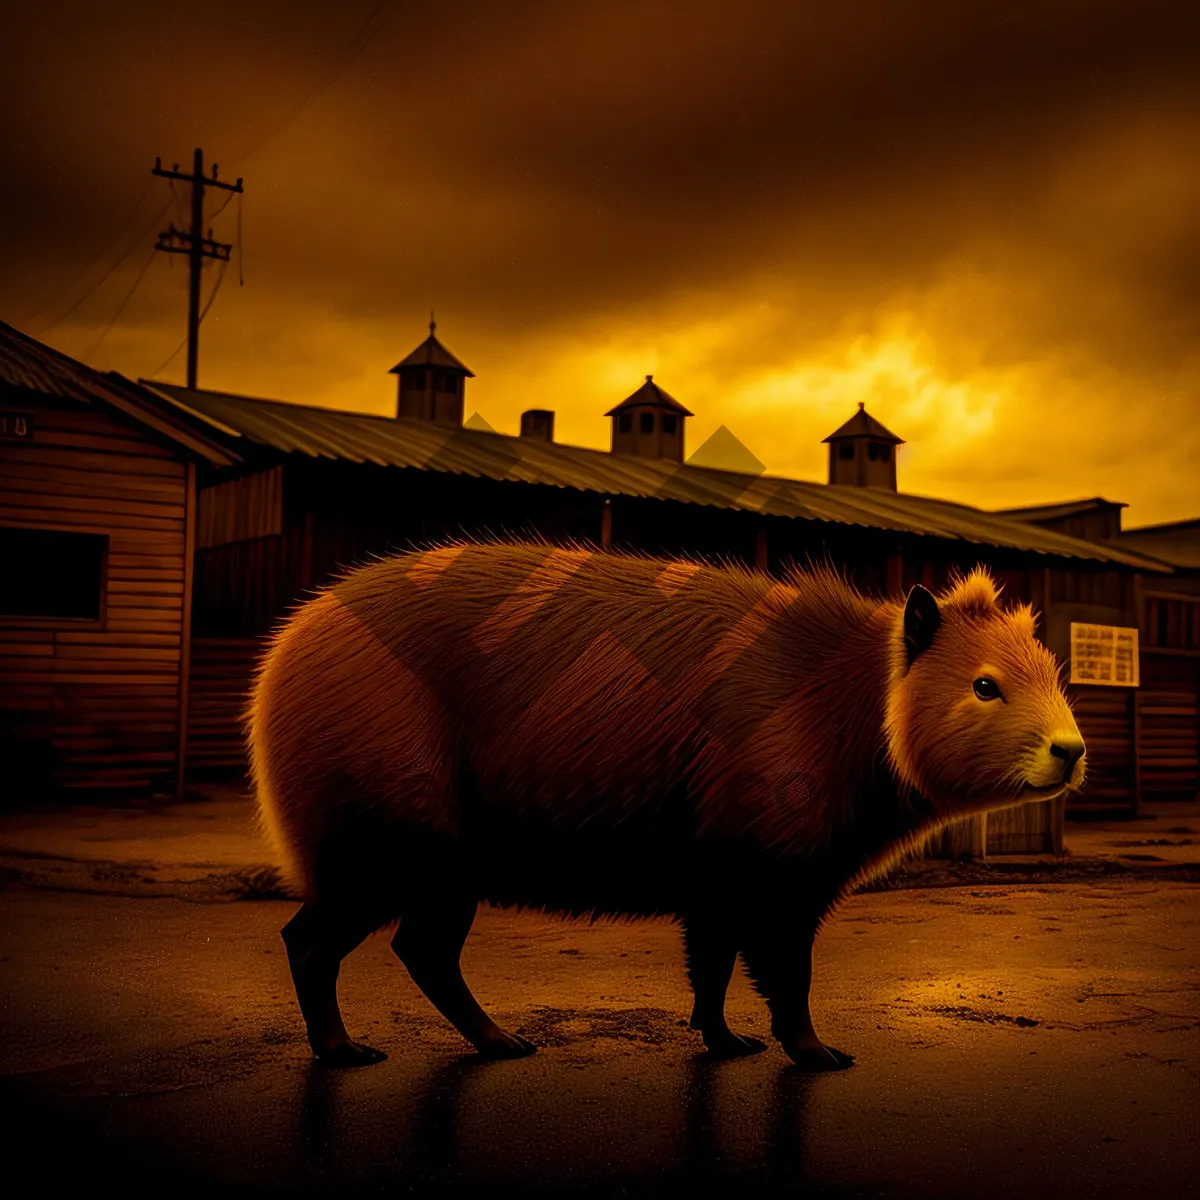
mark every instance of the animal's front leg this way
{"type": "Point", "coordinates": [782, 972]}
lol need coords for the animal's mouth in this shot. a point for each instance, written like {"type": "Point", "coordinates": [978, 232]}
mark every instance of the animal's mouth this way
{"type": "Point", "coordinates": [1048, 789]}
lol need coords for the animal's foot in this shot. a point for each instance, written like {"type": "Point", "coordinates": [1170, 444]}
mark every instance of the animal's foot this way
{"type": "Point", "coordinates": [816, 1057]}
{"type": "Point", "coordinates": [725, 1043]}
{"type": "Point", "coordinates": [350, 1054]}
{"type": "Point", "coordinates": [502, 1045]}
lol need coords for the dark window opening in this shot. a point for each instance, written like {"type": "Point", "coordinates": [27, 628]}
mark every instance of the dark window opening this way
{"type": "Point", "coordinates": [624, 422]}
{"type": "Point", "coordinates": [647, 422]}
{"type": "Point", "coordinates": [873, 451]}
{"type": "Point", "coordinates": [670, 423]}
{"type": "Point", "coordinates": [415, 380]}
{"type": "Point", "coordinates": [1173, 624]}
{"type": "Point", "coordinates": [46, 573]}
{"type": "Point", "coordinates": [885, 453]}
{"type": "Point", "coordinates": [448, 382]}
{"type": "Point", "coordinates": [845, 450]}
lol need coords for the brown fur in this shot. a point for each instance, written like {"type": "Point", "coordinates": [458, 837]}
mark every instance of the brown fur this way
{"type": "Point", "coordinates": [594, 732]}
{"type": "Point", "coordinates": [974, 757]}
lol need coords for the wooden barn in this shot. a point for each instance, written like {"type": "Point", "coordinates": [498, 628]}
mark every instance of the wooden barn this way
{"type": "Point", "coordinates": [315, 490]}
{"type": "Point", "coordinates": [151, 536]}
{"type": "Point", "coordinates": [1165, 707]}
{"type": "Point", "coordinates": [97, 513]}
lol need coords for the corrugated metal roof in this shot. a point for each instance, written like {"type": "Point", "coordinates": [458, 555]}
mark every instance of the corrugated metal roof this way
{"type": "Point", "coordinates": [1066, 508]}
{"type": "Point", "coordinates": [1187, 524]}
{"type": "Point", "coordinates": [1177, 542]}
{"type": "Point", "coordinates": [29, 364]}
{"type": "Point", "coordinates": [385, 441]}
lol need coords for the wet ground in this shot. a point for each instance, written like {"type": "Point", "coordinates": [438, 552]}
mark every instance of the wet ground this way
{"type": "Point", "coordinates": [1013, 1041]}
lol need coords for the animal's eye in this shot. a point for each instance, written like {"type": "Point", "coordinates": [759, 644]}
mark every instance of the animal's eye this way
{"type": "Point", "coordinates": [987, 689]}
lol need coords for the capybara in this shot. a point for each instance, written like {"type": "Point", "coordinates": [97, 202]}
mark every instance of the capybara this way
{"type": "Point", "coordinates": [593, 732]}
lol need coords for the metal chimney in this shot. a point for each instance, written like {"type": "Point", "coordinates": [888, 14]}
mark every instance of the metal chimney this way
{"type": "Point", "coordinates": [538, 423]}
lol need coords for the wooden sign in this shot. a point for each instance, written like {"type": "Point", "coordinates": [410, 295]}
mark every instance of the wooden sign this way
{"type": "Point", "coordinates": [1104, 655]}
{"type": "Point", "coordinates": [16, 427]}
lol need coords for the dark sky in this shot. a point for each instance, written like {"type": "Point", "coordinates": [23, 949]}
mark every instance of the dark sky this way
{"type": "Point", "coordinates": [981, 219]}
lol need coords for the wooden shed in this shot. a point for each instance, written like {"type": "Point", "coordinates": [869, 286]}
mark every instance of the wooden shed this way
{"type": "Point", "coordinates": [97, 510]}
{"type": "Point", "coordinates": [1164, 708]}
{"type": "Point", "coordinates": [1169, 699]}
{"type": "Point", "coordinates": [318, 490]}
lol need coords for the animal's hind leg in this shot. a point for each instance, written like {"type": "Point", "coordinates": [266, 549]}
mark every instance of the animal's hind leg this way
{"type": "Point", "coordinates": [317, 939]}
{"type": "Point", "coordinates": [429, 943]}
{"type": "Point", "coordinates": [780, 965]}
{"type": "Point", "coordinates": [711, 956]}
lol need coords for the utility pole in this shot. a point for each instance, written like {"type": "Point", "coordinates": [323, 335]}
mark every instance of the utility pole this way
{"type": "Point", "coordinates": [195, 245]}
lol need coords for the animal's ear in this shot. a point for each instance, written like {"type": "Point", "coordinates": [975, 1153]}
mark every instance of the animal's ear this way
{"type": "Point", "coordinates": [921, 621]}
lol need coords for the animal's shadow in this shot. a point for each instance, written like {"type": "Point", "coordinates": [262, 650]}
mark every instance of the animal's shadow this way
{"type": "Point", "coordinates": [460, 1125]}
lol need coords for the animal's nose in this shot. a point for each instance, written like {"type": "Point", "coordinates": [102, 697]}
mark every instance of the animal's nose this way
{"type": "Point", "coordinates": [1070, 750]}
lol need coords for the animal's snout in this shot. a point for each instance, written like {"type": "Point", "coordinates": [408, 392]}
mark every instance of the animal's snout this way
{"type": "Point", "coordinates": [1068, 749]}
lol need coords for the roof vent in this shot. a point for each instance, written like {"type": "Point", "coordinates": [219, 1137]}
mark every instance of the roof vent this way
{"type": "Point", "coordinates": [649, 423]}
{"type": "Point", "coordinates": [862, 453]}
{"type": "Point", "coordinates": [431, 382]}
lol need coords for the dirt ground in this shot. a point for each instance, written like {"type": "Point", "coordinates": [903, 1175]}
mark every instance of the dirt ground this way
{"type": "Point", "coordinates": [209, 849]}
{"type": "Point", "coordinates": [1012, 1040]}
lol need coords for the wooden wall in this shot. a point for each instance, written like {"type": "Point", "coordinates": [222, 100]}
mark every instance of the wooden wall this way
{"type": "Point", "coordinates": [1035, 828]}
{"type": "Point", "coordinates": [250, 506]}
{"type": "Point", "coordinates": [1169, 739]}
{"type": "Point", "coordinates": [1105, 717]}
{"type": "Point", "coordinates": [1169, 698]}
{"type": "Point", "coordinates": [222, 669]}
{"type": "Point", "coordinates": [96, 702]}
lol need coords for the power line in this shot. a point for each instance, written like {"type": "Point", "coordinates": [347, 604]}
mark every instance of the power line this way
{"type": "Point", "coordinates": [144, 232]}
{"type": "Point", "coordinates": [66, 287]}
{"type": "Point", "coordinates": [158, 216]}
{"type": "Point", "coordinates": [121, 308]}
{"type": "Point", "coordinates": [366, 33]}
{"type": "Point", "coordinates": [204, 312]}
{"type": "Point", "coordinates": [216, 289]}
{"type": "Point", "coordinates": [351, 51]}
{"type": "Point", "coordinates": [168, 360]}
{"type": "Point", "coordinates": [228, 201]}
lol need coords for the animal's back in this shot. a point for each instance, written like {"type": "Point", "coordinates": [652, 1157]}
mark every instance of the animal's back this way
{"type": "Point", "coordinates": [485, 688]}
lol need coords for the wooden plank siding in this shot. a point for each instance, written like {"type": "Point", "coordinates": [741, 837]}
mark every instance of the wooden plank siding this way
{"type": "Point", "coordinates": [100, 698]}
{"type": "Point", "coordinates": [250, 506]}
{"type": "Point", "coordinates": [1169, 721]}
{"type": "Point", "coordinates": [1026, 829]}
{"type": "Point", "coordinates": [1105, 719]}
{"type": "Point", "coordinates": [1169, 698]}
{"type": "Point", "coordinates": [221, 672]}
